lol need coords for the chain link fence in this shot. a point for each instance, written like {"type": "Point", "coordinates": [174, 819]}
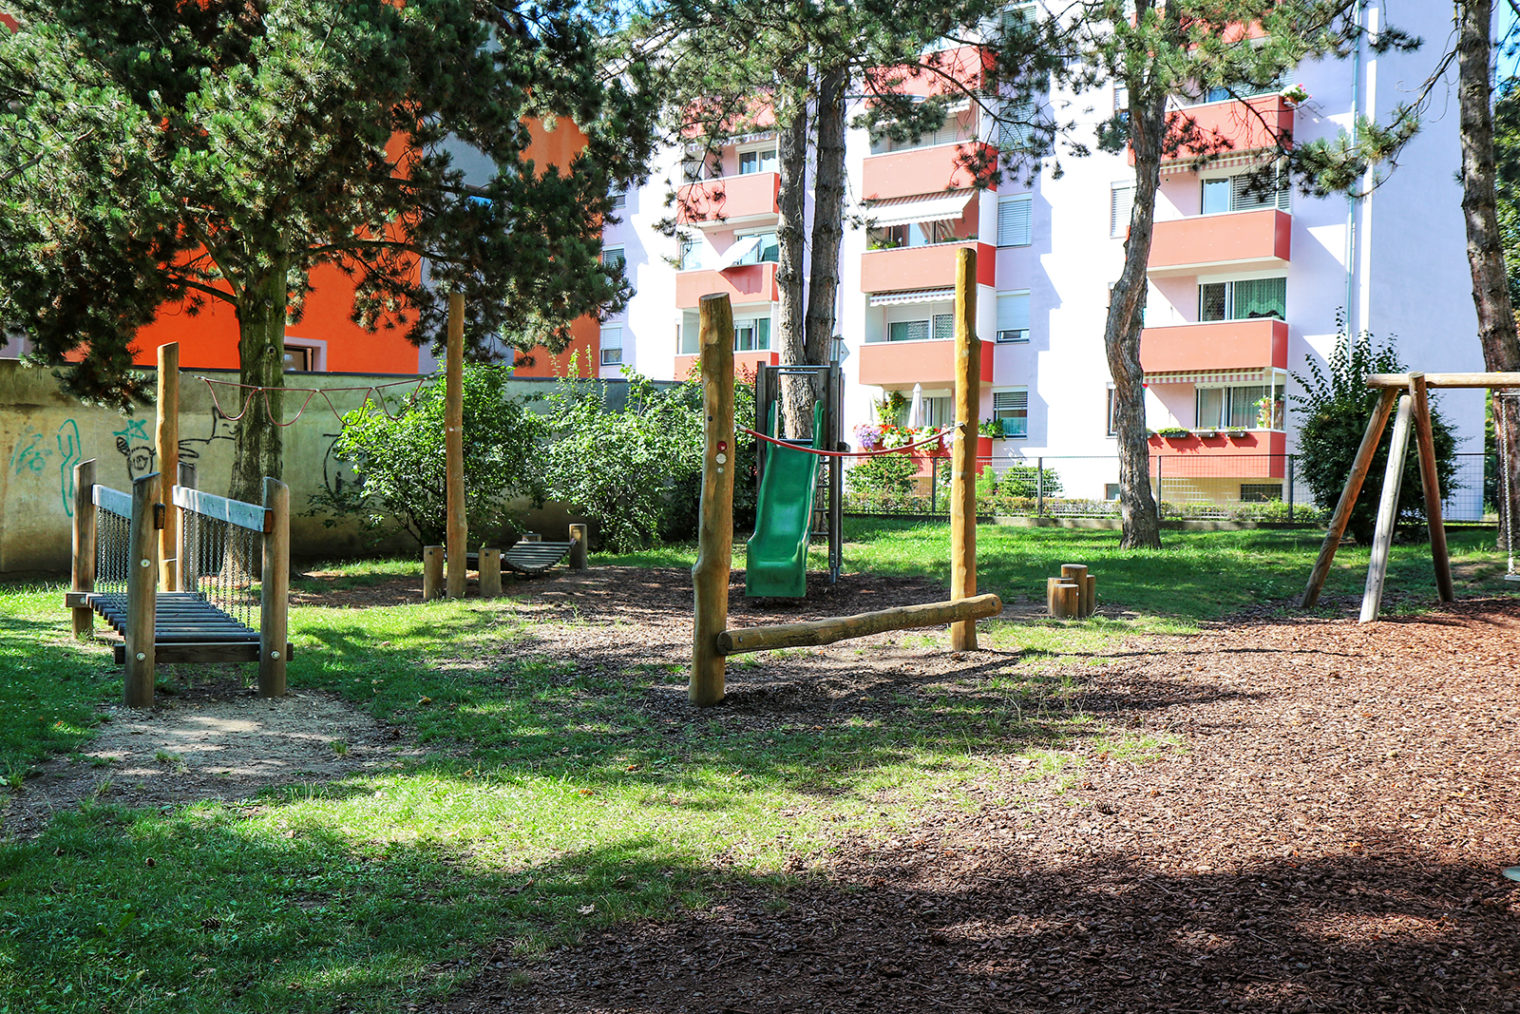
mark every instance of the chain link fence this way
{"type": "Point", "coordinates": [1226, 487]}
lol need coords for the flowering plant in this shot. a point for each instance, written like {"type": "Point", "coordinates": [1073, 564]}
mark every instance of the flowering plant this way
{"type": "Point", "coordinates": [867, 437]}
{"type": "Point", "coordinates": [1297, 94]}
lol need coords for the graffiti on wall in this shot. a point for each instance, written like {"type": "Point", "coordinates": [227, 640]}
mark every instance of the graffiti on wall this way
{"type": "Point", "coordinates": [135, 444]}
{"type": "Point", "coordinates": [32, 455]}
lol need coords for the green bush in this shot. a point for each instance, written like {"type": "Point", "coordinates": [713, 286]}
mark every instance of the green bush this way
{"type": "Point", "coordinates": [883, 482]}
{"type": "Point", "coordinates": [400, 462]}
{"type": "Point", "coordinates": [1336, 405]}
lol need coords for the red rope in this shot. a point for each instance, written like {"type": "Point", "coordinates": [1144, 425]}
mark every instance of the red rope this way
{"type": "Point", "coordinates": [846, 454]}
{"type": "Point", "coordinates": [371, 392]}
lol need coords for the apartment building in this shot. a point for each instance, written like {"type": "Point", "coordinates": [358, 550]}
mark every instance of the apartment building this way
{"type": "Point", "coordinates": [1246, 282]}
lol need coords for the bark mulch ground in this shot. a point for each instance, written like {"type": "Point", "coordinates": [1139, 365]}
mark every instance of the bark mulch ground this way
{"type": "Point", "coordinates": [1327, 836]}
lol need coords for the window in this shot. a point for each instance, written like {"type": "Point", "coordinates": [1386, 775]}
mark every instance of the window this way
{"type": "Point", "coordinates": [612, 256]}
{"type": "Point", "coordinates": [1260, 492]}
{"type": "Point", "coordinates": [951, 131]}
{"type": "Point", "coordinates": [1111, 425]}
{"type": "Point", "coordinates": [612, 345]}
{"type": "Point", "coordinates": [1013, 317]}
{"type": "Point", "coordinates": [940, 326]}
{"type": "Point", "coordinates": [759, 160]}
{"type": "Point", "coordinates": [1013, 221]}
{"type": "Point", "coordinates": [752, 335]}
{"type": "Point", "coordinates": [1016, 126]}
{"type": "Point", "coordinates": [300, 359]}
{"type": "Point", "coordinates": [618, 194]}
{"type": "Point", "coordinates": [691, 255]}
{"type": "Point", "coordinates": [1110, 491]}
{"type": "Point", "coordinates": [892, 237]}
{"type": "Point", "coordinates": [1012, 408]}
{"type": "Point", "coordinates": [1232, 408]}
{"type": "Point", "coordinates": [1249, 191]}
{"type": "Point", "coordinates": [1243, 300]}
{"type": "Point", "coordinates": [939, 411]}
{"type": "Point", "coordinates": [766, 251]}
{"type": "Point", "coordinates": [1121, 203]}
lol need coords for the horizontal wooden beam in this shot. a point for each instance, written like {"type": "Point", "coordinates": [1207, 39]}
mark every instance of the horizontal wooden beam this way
{"type": "Point", "coordinates": [737, 640]}
{"type": "Point", "coordinates": [112, 500]}
{"type": "Point", "coordinates": [173, 653]}
{"type": "Point", "coordinates": [1446, 380]}
{"type": "Point", "coordinates": [235, 512]}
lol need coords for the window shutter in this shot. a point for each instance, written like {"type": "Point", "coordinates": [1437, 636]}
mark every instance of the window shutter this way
{"type": "Point", "coordinates": [1013, 317]}
{"type": "Point", "coordinates": [1211, 301]}
{"type": "Point", "coordinates": [1121, 202]}
{"type": "Point", "coordinates": [612, 345]}
{"type": "Point", "coordinates": [1012, 408]}
{"type": "Point", "coordinates": [943, 325]}
{"type": "Point", "coordinates": [1013, 221]}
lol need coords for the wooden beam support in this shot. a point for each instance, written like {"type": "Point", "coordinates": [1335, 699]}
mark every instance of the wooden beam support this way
{"type": "Point", "coordinates": [578, 555]}
{"type": "Point", "coordinates": [1400, 381]}
{"type": "Point", "coordinates": [166, 446]}
{"type": "Point", "coordinates": [82, 578]}
{"type": "Point", "coordinates": [142, 593]}
{"type": "Point", "coordinates": [1430, 484]}
{"type": "Point", "coordinates": [453, 443]}
{"type": "Point", "coordinates": [1388, 512]}
{"type": "Point", "coordinates": [490, 572]}
{"type": "Point", "coordinates": [1360, 466]}
{"type": "Point", "coordinates": [815, 632]}
{"type": "Point", "coordinates": [968, 395]}
{"type": "Point", "coordinates": [715, 520]}
{"type": "Point", "coordinates": [432, 572]}
{"type": "Point", "coordinates": [274, 595]}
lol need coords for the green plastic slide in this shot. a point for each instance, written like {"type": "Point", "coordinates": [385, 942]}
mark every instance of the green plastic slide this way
{"type": "Point", "coordinates": [776, 562]}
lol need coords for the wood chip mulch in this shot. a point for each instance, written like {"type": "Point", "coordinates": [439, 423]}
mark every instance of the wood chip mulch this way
{"type": "Point", "coordinates": [1327, 835]}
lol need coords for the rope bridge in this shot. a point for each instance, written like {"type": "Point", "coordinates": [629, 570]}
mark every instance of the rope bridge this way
{"type": "Point", "coordinates": [227, 584]}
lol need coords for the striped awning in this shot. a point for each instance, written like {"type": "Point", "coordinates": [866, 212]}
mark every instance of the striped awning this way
{"type": "Point", "coordinates": [1235, 160]}
{"type": "Point", "coordinates": [946, 207]}
{"type": "Point", "coordinates": [912, 296]}
{"type": "Point", "coordinates": [1263, 376]}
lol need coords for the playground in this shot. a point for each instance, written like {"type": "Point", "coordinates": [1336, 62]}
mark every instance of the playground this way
{"type": "Point", "coordinates": [1200, 799]}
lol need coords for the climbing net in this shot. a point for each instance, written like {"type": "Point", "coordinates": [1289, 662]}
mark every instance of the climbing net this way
{"type": "Point", "coordinates": [223, 563]}
{"type": "Point", "coordinates": [113, 548]}
{"type": "Point", "coordinates": [1504, 408]}
{"type": "Point", "coordinates": [372, 395]}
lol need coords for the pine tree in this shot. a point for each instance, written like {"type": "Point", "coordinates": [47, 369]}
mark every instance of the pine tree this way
{"type": "Point", "coordinates": [183, 151]}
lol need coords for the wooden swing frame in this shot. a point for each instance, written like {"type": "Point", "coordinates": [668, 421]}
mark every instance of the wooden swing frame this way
{"type": "Point", "coordinates": [713, 641]}
{"type": "Point", "coordinates": [1411, 392]}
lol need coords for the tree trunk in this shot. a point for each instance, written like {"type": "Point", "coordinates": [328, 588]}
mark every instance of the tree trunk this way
{"type": "Point", "coordinates": [791, 239]}
{"type": "Point", "coordinates": [1485, 252]}
{"type": "Point", "coordinates": [828, 216]}
{"type": "Point", "coordinates": [261, 356]}
{"type": "Point", "coordinates": [1126, 317]}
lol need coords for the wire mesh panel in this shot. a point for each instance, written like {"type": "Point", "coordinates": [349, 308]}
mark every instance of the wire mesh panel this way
{"type": "Point", "coordinates": [113, 550]}
{"type": "Point", "coordinates": [222, 563]}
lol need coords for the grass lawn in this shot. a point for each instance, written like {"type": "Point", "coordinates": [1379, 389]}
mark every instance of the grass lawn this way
{"type": "Point", "coordinates": [549, 796]}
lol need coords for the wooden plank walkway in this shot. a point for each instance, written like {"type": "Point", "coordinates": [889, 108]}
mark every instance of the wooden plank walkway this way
{"type": "Point", "coordinates": [179, 617]}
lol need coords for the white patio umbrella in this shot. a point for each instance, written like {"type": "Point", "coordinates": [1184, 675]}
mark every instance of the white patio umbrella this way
{"type": "Point", "coordinates": [916, 407]}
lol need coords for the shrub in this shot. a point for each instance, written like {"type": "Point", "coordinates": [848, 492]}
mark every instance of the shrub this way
{"type": "Point", "coordinates": [1337, 404]}
{"type": "Point", "coordinates": [400, 462]}
{"type": "Point", "coordinates": [882, 482]}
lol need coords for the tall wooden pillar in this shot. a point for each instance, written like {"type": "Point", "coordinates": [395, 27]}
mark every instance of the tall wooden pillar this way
{"type": "Point", "coordinates": [968, 380]}
{"type": "Point", "coordinates": [453, 444]}
{"type": "Point", "coordinates": [715, 523]}
{"type": "Point", "coordinates": [166, 446]}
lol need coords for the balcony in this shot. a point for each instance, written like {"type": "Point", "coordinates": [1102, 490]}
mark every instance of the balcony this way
{"type": "Point", "coordinates": [1254, 454]}
{"type": "Point", "coordinates": [747, 283]}
{"type": "Point", "coordinates": [922, 267]}
{"type": "Point", "coordinates": [728, 200]}
{"type": "Point", "coordinates": [903, 364]}
{"type": "Point", "coordinates": [1216, 345]}
{"type": "Point", "coordinates": [1251, 240]}
{"type": "Point", "coordinates": [1246, 124]}
{"type": "Point", "coordinates": [917, 171]}
{"type": "Point", "coordinates": [744, 362]}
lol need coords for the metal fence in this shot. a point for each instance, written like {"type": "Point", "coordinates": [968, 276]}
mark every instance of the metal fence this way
{"type": "Point", "coordinates": [1241, 487]}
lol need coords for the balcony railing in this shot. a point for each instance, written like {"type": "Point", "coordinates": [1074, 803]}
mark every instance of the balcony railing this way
{"type": "Point", "coordinates": [747, 283]}
{"type": "Point", "coordinates": [922, 267]}
{"type": "Point", "coordinates": [728, 199]}
{"type": "Point", "coordinates": [1242, 239]}
{"type": "Point", "coordinates": [917, 171]}
{"type": "Point", "coordinates": [886, 364]}
{"type": "Point", "coordinates": [744, 362]}
{"type": "Point", "coordinates": [1238, 124]}
{"type": "Point", "coordinates": [1252, 453]}
{"type": "Point", "coordinates": [1216, 345]}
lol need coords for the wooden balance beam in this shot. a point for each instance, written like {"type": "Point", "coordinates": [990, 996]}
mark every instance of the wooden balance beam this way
{"type": "Point", "coordinates": [737, 640]}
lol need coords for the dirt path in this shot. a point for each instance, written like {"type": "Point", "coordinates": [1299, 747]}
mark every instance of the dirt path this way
{"type": "Point", "coordinates": [1328, 838]}
{"type": "Point", "coordinates": [213, 741]}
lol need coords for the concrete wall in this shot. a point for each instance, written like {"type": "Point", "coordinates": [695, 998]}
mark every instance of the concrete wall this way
{"type": "Point", "coordinates": [45, 433]}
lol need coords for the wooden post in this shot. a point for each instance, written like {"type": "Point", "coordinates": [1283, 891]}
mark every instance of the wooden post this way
{"type": "Point", "coordinates": [432, 572]}
{"type": "Point", "coordinates": [1062, 598]}
{"type": "Point", "coordinates": [166, 445]}
{"type": "Point", "coordinates": [83, 576]}
{"type": "Point", "coordinates": [142, 593]}
{"type": "Point", "coordinates": [1338, 521]}
{"type": "Point", "coordinates": [1430, 482]}
{"type": "Point", "coordinates": [490, 573]}
{"type": "Point", "coordinates": [453, 432]}
{"type": "Point", "coordinates": [968, 362]}
{"type": "Point", "coordinates": [1388, 512]}
{"type": "Point", "coordinates": [1076, 573]}
{"type": "Point", "coordinates": [1090, 595]}
{"type": "Point", "coordinates": [715, 523]}
{"type": "Point", "coordinates": [840, 628]}
{"type": "Point", "coordinates": [577, 547]}
{"type": "Point", "coordinates": [274, 597]}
